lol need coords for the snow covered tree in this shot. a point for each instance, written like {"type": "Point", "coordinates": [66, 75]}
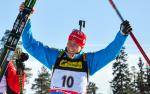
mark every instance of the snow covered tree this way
{"type": "Point", "coordinates": [133, 78]}
{"type": "Point", "coordinates": [42, 83]}
{"type": "Point", "coordinates": [121, 83]}
{"type": "Point", "coordinates": [140, 78]}
{"type": "Point", "coordinates": [28, 76]}
{"type": "Point", "coordinates": [147, 78]}
{"type": "Point", "coordinates": [92, 88]}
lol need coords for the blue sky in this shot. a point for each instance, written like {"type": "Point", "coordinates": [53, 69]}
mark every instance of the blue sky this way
{"type": "Point", "coordinates": [53, 20]}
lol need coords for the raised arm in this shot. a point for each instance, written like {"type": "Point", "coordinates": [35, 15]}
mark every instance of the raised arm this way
{"type": "Point", "coordinates": [99, 59]}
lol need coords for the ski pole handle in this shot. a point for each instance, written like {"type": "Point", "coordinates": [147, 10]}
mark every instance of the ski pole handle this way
{"type": "Point", "coordinates": [131, 34]}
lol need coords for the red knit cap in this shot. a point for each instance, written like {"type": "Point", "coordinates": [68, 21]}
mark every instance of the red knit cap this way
{"type": "Point", "coordinates": [78, 36]}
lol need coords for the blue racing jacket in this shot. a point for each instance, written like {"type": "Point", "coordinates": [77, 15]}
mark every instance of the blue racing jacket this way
{"type": "Point", "coordinates": [47, 56]}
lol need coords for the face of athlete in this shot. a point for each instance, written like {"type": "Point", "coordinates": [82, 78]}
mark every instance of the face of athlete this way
{"type": "Point", "coordinates": [73, 47]}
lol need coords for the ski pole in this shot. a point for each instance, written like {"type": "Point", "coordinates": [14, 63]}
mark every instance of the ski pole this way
{"type": "Point", "coordinates": [131, 34]}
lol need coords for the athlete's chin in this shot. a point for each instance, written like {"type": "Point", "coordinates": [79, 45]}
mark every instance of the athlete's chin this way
{"type": "Point", "coordinates": [71, 52]}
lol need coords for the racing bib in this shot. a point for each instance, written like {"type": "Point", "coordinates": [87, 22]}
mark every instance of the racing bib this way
{"type": "Point", "coordinates": [69, 80]}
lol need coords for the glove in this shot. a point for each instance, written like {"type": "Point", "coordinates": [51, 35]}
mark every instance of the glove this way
{"type": "Point", "coordinates": [125, 28]}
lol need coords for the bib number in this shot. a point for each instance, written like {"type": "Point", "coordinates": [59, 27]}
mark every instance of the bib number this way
{"type": "Point", "coordinates": [67, 81]}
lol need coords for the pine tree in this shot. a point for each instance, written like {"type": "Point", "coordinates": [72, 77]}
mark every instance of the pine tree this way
{"type": "Point", "coordinates": [147, 78]}
{"type": "Point", "coordinates": [4, 38]}
{"type": "Point", "coordinates": [121, 83]}
{"type": "Point", "coordinates": [133, 78]}
{"type": "Point", "coordinates": [140, 78]}
{"type": "Point", "coordinates": [42, 83]}
{"type": "Point", "coordinates": [92, 88]}
{"type": "Point", "coordinates": [28, 76]}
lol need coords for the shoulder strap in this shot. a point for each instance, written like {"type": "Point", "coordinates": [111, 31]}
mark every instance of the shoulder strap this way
{"type": "Point", "coordinates": [84, 56]}
{"type": "Point", "coordinates": [84, 59]}
{"type": "Point", "coordinates": [61, 53]}
{"type": "Point", "coordinates": [58, 58]}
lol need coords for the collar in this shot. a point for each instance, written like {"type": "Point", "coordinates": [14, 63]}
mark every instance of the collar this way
{"type": "Point", "coordinates": [77, 55]}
